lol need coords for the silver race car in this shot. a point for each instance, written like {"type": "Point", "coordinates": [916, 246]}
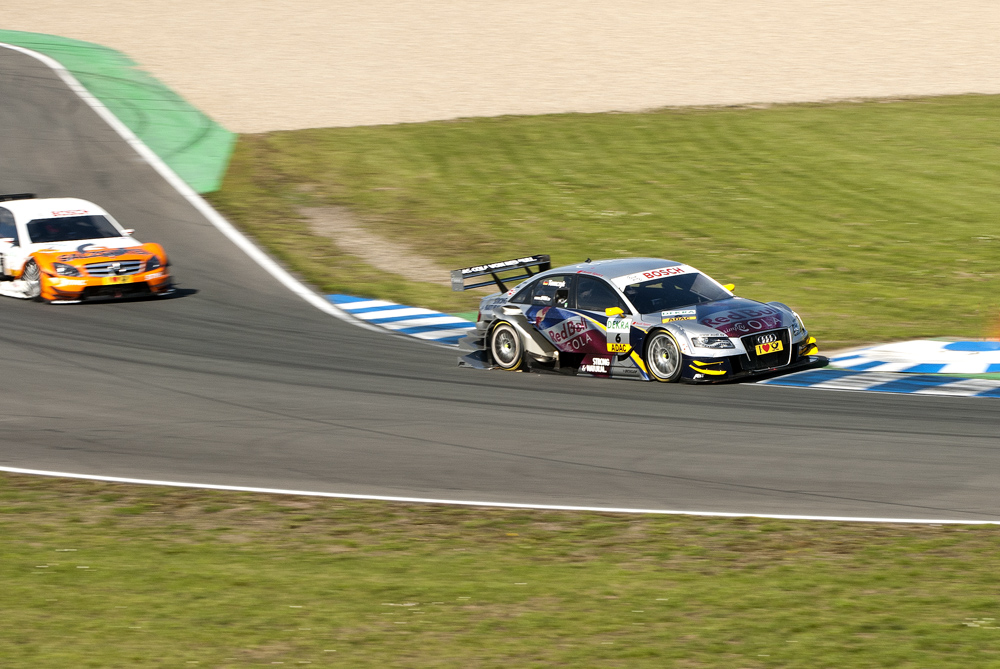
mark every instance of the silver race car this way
{"type": "Point", "coordinates": [633, 318]}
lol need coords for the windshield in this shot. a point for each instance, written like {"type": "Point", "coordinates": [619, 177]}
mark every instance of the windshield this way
{"type": "Point", "coordinates": [70, 229]}
{"type": "Point", "coordinates": [672, 292]}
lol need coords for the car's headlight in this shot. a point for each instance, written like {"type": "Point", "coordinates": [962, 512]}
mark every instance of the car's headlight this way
{"type": "Point", "coordinates": [153, 263]}
{"type": "Point", "coordinates": [62, 269]}
{"type": "Point", "coordinates": [712, 342]}
{"type": "Point", "coordinates": [797, 325]}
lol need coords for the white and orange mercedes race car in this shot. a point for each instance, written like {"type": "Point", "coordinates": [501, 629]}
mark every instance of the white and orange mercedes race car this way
{"type": "Point", "coordinates": [68, 250]}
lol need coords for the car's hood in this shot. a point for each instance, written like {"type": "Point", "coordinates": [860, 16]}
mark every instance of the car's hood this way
{"type": "Point", "coordinates": [115, 247]}
{"type": "Point", "coordinates": [734, 317]}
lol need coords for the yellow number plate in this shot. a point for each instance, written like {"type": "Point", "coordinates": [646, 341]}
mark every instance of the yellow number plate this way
{"type": "Point", "coordinates": [773, 347]}
{"type": "Point", "coordinates": [617, 348]}
{"type": "Point", "coordinates": [109, 280]}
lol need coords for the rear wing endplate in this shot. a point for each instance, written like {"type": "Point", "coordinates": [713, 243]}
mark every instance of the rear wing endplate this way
{"type": "Point", "coordinates": [495, 269]}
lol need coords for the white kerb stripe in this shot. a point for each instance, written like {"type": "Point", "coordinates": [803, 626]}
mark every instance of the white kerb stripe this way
{"type": "Point", "coordinates": [499, 505]}
{"type": "Point", "coordinates": [366, 304]}
{"type": "Point", "coordinates": [961, 387]}
{"type": "Point", "coordinates": [852, 362]}
{"type": "Point", "coordinates": [891, 367]}
{"type": "Point", "coordinates": [399, 311]}
{"type": "Point", "coordinates": [420, 322]}
{"type": "Point", "coordinates": [440, 334]}
{"type": "Point", "coordinates": [178, 184]}
{"type": "Point", "coordinates": [862, 381]}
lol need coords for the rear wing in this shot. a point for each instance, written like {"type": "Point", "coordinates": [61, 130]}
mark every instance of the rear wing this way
{"type": "Point", "coordinates": [495, 269]}
{"type": "Point", "coordinates": [17, 196]}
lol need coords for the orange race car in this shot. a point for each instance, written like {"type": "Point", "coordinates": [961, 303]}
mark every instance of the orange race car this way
{"type": "Point", "coordinates": [67, 250]}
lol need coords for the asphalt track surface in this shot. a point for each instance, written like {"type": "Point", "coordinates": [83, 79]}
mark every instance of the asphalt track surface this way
{"type": "Point", "coordinates": [239, 382]}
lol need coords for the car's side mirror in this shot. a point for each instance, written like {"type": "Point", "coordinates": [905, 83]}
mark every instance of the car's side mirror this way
{"type": "Point", "coordinates": [730, 287]}
{"type": "Point", "coordinates": [613, 311]}
{"type": "Point", "coordinates": [129, 231]}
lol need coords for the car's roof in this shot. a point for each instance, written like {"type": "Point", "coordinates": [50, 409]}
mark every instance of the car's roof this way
{"type": "Point", "coordinates": [50, 207]}
{"type": "Point", "coordinates": [616, 267]}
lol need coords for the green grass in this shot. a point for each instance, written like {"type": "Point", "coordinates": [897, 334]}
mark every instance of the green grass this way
{"type": "Point", "coordinates": [107, 575]}
{"type": "Point", "coordinates": [875, 220]}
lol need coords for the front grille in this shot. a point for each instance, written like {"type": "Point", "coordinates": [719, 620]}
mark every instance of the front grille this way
{"type": "Point", "coordinates": [768, 360]}
{"type": "Point", "coordinates": [116, 268]}
{"type": "Point", "coordinates": [140, 289]}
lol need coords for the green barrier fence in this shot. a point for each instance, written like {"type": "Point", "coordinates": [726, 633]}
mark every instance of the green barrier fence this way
{"type": "Point", "coordinates": [193, 145]}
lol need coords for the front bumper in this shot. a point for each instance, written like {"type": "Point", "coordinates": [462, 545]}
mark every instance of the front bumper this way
{"type": "Point", "coordinates": [732, 368]}
{"type": "Point", "coordinates": [84, 288]}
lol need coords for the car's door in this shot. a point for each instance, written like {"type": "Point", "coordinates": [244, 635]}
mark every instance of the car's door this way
{"type": "Point", "coordinates": [552, 316]}
{"type": "Point", "coordinates": [592, 297]}
{"type": "Point", "coordinates": [11, 253]}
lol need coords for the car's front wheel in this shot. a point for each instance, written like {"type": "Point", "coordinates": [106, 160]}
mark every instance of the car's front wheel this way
{"type": "Point", "coordinates": [506, 347]}
{"type": "Point", "coordinates": [32, 277]}
{"type": "Point", "coordinates": [663, 358]}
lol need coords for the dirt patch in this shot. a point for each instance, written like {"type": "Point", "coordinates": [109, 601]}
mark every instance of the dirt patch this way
{"type": "Point", "coordinates": [343, 227]}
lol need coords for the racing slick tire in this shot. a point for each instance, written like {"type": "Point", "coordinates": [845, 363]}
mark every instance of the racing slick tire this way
{"type": "Point", "coordinates": [506, 347]}
{"type": "Point", "coordinates": [663, 357]}
{"type": "Point", "coordinates": [32, 277]}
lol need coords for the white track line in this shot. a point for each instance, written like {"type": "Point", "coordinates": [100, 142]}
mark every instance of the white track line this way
{"type": "Point", "coordinates": [203, 207]}
{"type": "Point", "coordinates": [494, 505]}
{"type": "Point", "coordinates": [321, 303]}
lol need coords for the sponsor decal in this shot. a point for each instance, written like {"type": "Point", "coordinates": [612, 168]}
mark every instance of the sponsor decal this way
{"type": "Point", "coordinates": [678, 312]}
{"type": "Point", "coordinates": [496, 266]}
{"type": "Point", "coordinates": [554, 283]}
{"type": "Point", "coordinates": [543, 298]}
{"type": "Point", "coordinates": [540, 316]}
{"type": "Point", "coordinates": [771, 347]}
{"type": "Point", "coordinates": [59, 281]}
{"type": "Point", "coordinates": [578, 343]}
{"type": "Point", "coordinates": [103, 253]}
{"type": "Point", "coordinates": [677, 318]}
{"type": "Point", "coordinates": [157, 275]}
{"type": "Point", "coordinates": [619, 329]}
{"type": "Point", "coordinates": [630, 372]}
{"type": "Point", "coordinates": [596, 366]}
{"type": "Point", "coordinates": [745, 321]}
{"type": "Point", "coordinates": [71, 212]}
{"type": "Point", "coordinates": [566, 330]}
{"type": "Point", "coordinates": [493, 303]}
{"type": "Point", "coordinates": [652, 274]}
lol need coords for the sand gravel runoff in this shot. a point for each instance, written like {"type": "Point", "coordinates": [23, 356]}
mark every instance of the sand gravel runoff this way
{"type": "Point", "coordinates": [259, 65]}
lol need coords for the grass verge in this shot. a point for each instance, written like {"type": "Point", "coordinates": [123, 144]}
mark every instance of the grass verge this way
{"type": "Point", "coordinates": [104, 575]}
{"type": "Point", "coordinates": [876, 220]}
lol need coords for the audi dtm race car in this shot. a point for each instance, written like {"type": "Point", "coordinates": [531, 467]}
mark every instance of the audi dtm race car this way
{"type": "Point", "coordinates": [633, 318]}
{"type": "Point", "coordinates": [66, 250]}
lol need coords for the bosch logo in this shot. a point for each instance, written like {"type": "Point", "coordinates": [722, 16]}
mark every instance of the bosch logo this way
{"type": "Point", "coordinates": [767, 339]}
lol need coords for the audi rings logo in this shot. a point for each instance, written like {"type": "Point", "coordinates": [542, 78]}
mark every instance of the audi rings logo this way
{"type": "Point", "coordinates": [767, 339]}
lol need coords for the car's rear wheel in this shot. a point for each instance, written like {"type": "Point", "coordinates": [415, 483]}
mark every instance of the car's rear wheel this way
{"type": "Point", "coordinates": [663, 358]}
{"type": "Point", "coordinates": [32, 277]}
{"type": "Point", "coordinates": [506, 347]}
